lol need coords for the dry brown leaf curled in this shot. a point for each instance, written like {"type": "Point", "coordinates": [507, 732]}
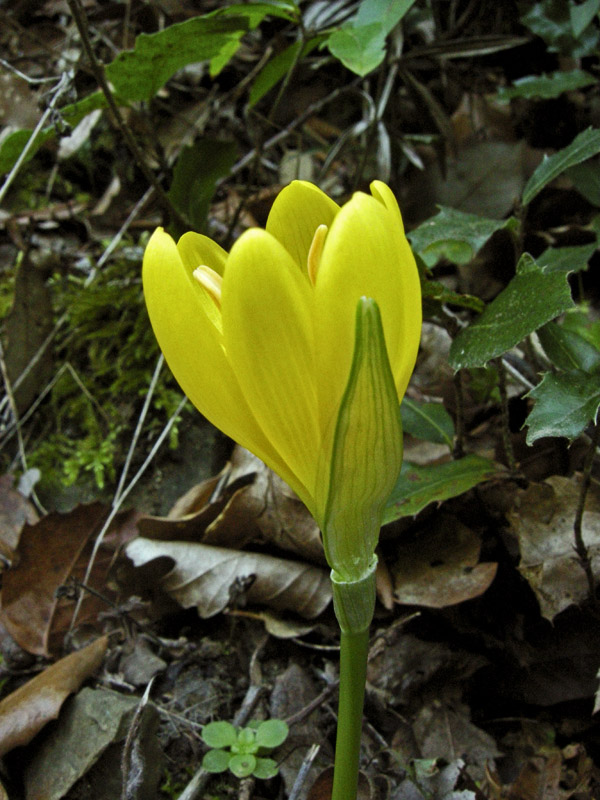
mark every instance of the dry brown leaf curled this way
{"type": "Point", "coordinates": [203, 576]}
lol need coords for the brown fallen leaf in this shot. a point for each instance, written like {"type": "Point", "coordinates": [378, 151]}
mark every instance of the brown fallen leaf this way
{"type": "Point", "coordinates": [246, 504]}
{"type": "Point", "coordinates": [205, 577]}
{"type": "Point", "coordinates": [50, 552]}
{"type": "Point", "coordinates": [542, 521]}
{"type": "Point", "coordinates": [25, 712]}
{"type": "Point", "coordinates": [440, 568]}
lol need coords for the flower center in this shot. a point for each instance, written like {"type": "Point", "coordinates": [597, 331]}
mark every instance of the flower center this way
{"type": "Point", "coordinates": [211, 281]}
{"type": "Point", "coordinates": [315, 251]}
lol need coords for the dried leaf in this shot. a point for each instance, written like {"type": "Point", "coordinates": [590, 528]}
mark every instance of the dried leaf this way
{"type": "Point", "coordinates": [440, 568]}
{"type": "Point", "coordinates": [542, 521]}
{"type": "Point", "coordinates": [207, 577]}
{"type": "Point", "coordinates": [25, 712]}
{"type": "Point", "coordinates": [50, 552]}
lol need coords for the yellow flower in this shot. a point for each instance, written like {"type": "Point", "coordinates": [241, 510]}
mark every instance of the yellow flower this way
{"type": "Point", "coordinates": [262, 340]}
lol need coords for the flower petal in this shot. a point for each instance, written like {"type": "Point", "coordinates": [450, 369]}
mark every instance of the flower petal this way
{"type": "Point", "coordinates": [295, 215]}
{"type": "Point", "coordinates": [192, 345]}
{"type": "Point", "coordinates": [365, 254]}
{"type": "Point", "coordinates": [197, 250]}
{"type": "Point", "coordinates": [267, 329]}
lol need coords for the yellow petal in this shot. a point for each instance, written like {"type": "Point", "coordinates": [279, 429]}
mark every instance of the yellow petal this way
{"type": "Point", "coordinates": [382, 192]}
{"type": "Point", "coordinates": [196, 250]}
{"type": "Point", "coordinates": [365, 254]}
{"type": "Point", "coordinates": [297, 212]}
{"type": "Point", "coordinates": [193, 348]}
{"type": "Point", "coordinates": [267, 329]}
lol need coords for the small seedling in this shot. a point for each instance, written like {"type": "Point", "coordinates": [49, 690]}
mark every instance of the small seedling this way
{"type": "Point", "coordinates": [242, 750]}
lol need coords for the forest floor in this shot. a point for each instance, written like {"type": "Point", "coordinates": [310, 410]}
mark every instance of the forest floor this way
{"type": "Point", "coordinates": [155, 576]}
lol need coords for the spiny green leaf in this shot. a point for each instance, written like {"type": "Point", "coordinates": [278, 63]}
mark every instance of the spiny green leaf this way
{"type": "Point", "coordinates": [531, 299]}
{"type": "Point", "coordinates": [418, 486]}
{"type": "Point", "coordinates": [564, 405]}
{"type": "Point", "coordinates": [454, 234]}
{"type": "Point", "coordinates": [568, 350]}
{"type": "Point", "coordinates": [428, 421]}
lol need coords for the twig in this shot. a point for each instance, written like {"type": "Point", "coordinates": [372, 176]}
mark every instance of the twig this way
{"type": "Point", "coordinates": [117, 505]}
{"type": "Point", "coordinates": [138, 427]}
{"type": "Point", "coordinates": [15, 413]}
{"type": "Point", "coordinates": [303, 771]}
{"type": "Point", "coordinates": [505, 418]}
{"type": "Point", "coordinates": [459, 438]}
{"type": "Point", "coordinates": [98, 71]}
{"type": "Point", "coordinates": [31, 81]}
{"type": "Point", "coordinates": [580, 546]}
{"type": "Point", "coordinates": [295, 123]}
{"type": "Point", "coordinates": [132, 760]}
{"type": "Point", "coordinates": [61, 88]}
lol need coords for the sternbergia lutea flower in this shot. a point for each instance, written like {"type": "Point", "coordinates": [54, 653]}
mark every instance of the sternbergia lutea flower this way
{"type": "Point", "coordinates": [299, 345]}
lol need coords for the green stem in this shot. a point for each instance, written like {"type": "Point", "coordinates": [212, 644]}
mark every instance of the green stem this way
{"type": "Point", "coordinates": [354, 648]}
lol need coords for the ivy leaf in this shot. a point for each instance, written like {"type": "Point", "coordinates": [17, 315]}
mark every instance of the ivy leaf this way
{"type": "Point", "coordinates": [567, 349]}
{"type": "Point", "coordinates": [418, 486]}
{"type": "Point", "coordinates": [428, 421]}
{"type": "Point", "coordinates": [530, 300]}
{"type": "Point", "coordinates": [566, 259]}
{"type": "Point", "coordinates": [564, 405]}
{"type": "Point", "coordinates": [455, 235]}
{"type": "Point", "coordinates": [583, 146]}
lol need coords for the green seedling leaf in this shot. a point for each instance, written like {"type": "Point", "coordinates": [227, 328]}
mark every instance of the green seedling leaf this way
{"type": "Point", "coordinates": [279, 66]}
{"type": "Point", "coordinates": [242, 765]}
{"type": "Point", "coordinates": [265, 768]}
{"type": "Point", "coordinates": [428, 421]}
{"type": "Point", "coordinates": [138, 74]}
{"type": "Point", "coordinates": [246, 742]}
{"type": "Point", "coordinates": [216, 761]}
{"type": "Point", "coordinates": [418, 486]}
{"type": "Point", "coordinates": [546, 86]}
{"type": "Point", "coordinates": [272, 733]}
{"type": "Point", "coordinates": [219, 734]}
{"type": "Point", "coordinates": [454, 235]}
{"type": "Point", "coordinates": [566, 259]}
{"type": "Point", "coordinates": [583, 146]}
{"type": "Point", "coordinates": [568, 350]}
{"type": "Point", "coordinates": [564, 405]}
{"type": "Point", "coordinates": [196, 173]}
{"type": "Point", "coordinates": [586, 179]}
{"type": "Point", "coordinates": [530, 300]}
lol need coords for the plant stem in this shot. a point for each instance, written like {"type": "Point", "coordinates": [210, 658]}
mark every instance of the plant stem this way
{"type": "Point", "coordinates": [354, 648]}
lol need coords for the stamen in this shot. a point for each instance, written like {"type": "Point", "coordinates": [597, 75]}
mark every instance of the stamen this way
{"type": "Point", "coordinates": [211, 281]}
{"type": "Point", "coordinates": [314, 253]}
